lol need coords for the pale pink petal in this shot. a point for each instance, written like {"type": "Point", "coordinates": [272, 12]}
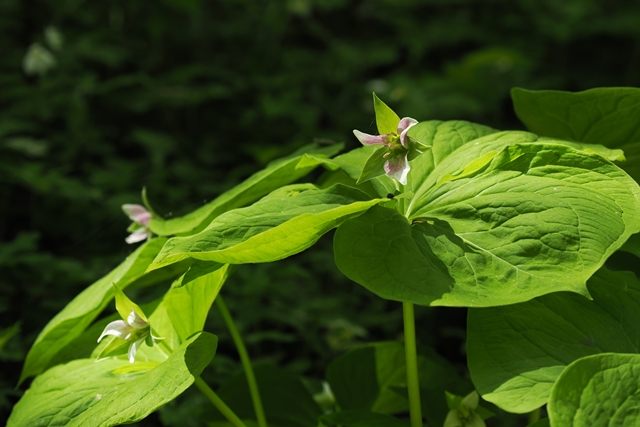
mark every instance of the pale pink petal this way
{"type": "Point", "coordinates": [117, 328]}
{"type": "Point", "coordinates": [403, 127]}
{"type": "Point", "coordinates": [137, 213]}
{"type": "Point", "coordinates": [137, 236]}
{"type": "Point", "coordinates": [398, 168]}
{"type": "Point", "coordinates": [367, 139]}
{"type": "Point", "coordinates": [133, 349]}
{"type": "Point", "coordinates": [406, 123]}
{"type": "Point", "coordinates": [135, 321]}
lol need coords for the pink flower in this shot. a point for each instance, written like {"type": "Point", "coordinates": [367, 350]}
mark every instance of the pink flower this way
{"type": "Point", "coordinates": [141, 217]}
{"type": "Point", "coordinates": [396, 146]}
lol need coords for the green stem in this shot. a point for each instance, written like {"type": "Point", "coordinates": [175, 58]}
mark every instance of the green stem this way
{"type": "Point", "coordinates": [218, 403]}
{"type": "Point", "coordinates": [245, 360]}
{"type": "Point", "coordinates": [411, 355]}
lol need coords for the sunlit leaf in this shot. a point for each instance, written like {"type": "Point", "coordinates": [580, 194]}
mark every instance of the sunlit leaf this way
{"type": "Point", "coordinates": [517, 352]}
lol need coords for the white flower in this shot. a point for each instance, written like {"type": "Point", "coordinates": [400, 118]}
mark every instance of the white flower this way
{"type": "Point", "coordinates": [141, 217]}
{"type": "Point", "coordinates": [134, 329]}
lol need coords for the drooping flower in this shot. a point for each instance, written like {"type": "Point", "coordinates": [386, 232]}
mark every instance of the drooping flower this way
{"type": "Point", "coordinates": [396, 145]}
{"type": "Point", "coordinates": [140, 217]}
{"type": "Point", "coordinates": [135, 329]}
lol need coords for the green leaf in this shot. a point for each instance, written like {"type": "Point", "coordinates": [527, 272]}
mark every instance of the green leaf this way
{"type": "Point", "coordinates": [607, 116]}
{"type": "Point", "coordinates": [377, 250]}
{"type": "Point", "coordinates": [441, 138]}
{"type": "Point", "coordinates": [374, 167]}
{"type": "Point", "coordinates": [386, 119]}
{"type": "Point", "coordinates": [436, 140]}
{"type": "Point", "coordinates": [286, 401]}
{"type": "Point", "coordinates": [184, 308]}
{"type": "Point", "coordinates": [84, 308]}
{"type": "Point", "coordinates": [286, 222]}
{"type": "Point", "coordinates": [600, 390]}
{"type": "Point", "coordinates": [498, 221]}
{"type": "Point", "coordinates": [632, 163]}
{"type": "Point", "coordinates": [516, 352]}
{"type": "Point", "coordinates": [111, 391]}
{"type": "Point", "coordinates": [278, 173]}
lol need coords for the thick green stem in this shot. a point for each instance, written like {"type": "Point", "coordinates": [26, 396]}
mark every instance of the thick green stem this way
{"type": "Point", "coordinates": [411, 356]}
{"type": "Point", "coordinates": [244, 359]}
{"type": "Point", "coordinates": [218, 403]}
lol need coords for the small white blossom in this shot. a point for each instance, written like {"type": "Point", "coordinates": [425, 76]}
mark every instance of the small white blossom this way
{"type": "Point", "coordinates": [141, 217]}
{"type": "Point", "coordinates": [134, 329]}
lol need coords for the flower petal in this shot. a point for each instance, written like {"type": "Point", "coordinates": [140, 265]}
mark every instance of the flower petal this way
{"type": "Point", "coordinates": [403, 127]}
{"type": "Point", "coordinates": [137, 213]}
{"type": "Point", "coordinates": [135, 321]}
{"type": "Point", "coordinates": [367, 139]}
{"type": "Point", "coordinates": [117, 328]}
{"type": "Point", "coordinates": [133, 349]}
{"type": "Point", "coordinates": [398, 168]}
{"type": "Point", "coordinates": [137, 236]}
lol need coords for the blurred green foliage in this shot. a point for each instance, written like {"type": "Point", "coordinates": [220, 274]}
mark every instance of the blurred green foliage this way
{"type": "Point", "coordinates": [188, 97]}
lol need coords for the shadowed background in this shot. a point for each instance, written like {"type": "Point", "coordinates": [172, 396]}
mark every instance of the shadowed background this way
{"type": "Point", "coordinates": [188, 97]}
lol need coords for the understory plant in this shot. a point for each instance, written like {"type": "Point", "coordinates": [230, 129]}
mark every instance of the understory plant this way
{"type": "Point", "coordinates": [515, 225]}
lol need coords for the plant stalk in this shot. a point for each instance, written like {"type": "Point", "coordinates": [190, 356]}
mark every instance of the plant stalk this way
{"type": "Point", "coordinates": [218, 403]}
{"type": "Point", "coordinates": [411, 357]}
{"type": "Point", "coordinates": [245, 360]}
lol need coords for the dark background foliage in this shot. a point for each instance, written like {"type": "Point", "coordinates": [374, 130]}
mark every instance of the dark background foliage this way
{"type": "Point", "coordinates": [187, 97]}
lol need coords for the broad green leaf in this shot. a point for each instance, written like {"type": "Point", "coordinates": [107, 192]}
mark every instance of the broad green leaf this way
{"type": "Point", "coordinates": [185, 306]}
{"type": "Point", "coordinates": [516, 352]}
{"type": "Point", "coordinates": [436, 140]}
{"type": "Point", "coordinates": [377, 250]}
{"type": "Point", "coordinates": [111, 391]}
{"type": "Point", "coordinates": [474, 157]}
{"type": "Point", "coordinates": [286, 401]}
{"type": "Point", "coordinates": [501, 220]}
{"type": "Point", "coordinates": [632, 163]}
{"type": "Point", "coordinates": [607, 116]}
{"type": "Point", "coordinates": [386, 119]}
{"type": "Point", "coordinates": [600, 390]}
{"type": "Point", "coordinates": [441, 138]}
{"type": "Point", "coordinates": [286, 222]}
{"type": "Point", "coordinates": [84, 308]}
{"type": "Point", "coordinates": [278, 173]}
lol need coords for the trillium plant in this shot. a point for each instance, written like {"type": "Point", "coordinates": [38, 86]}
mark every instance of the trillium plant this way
{"type": "Point", "coordinates": [534, 232]}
